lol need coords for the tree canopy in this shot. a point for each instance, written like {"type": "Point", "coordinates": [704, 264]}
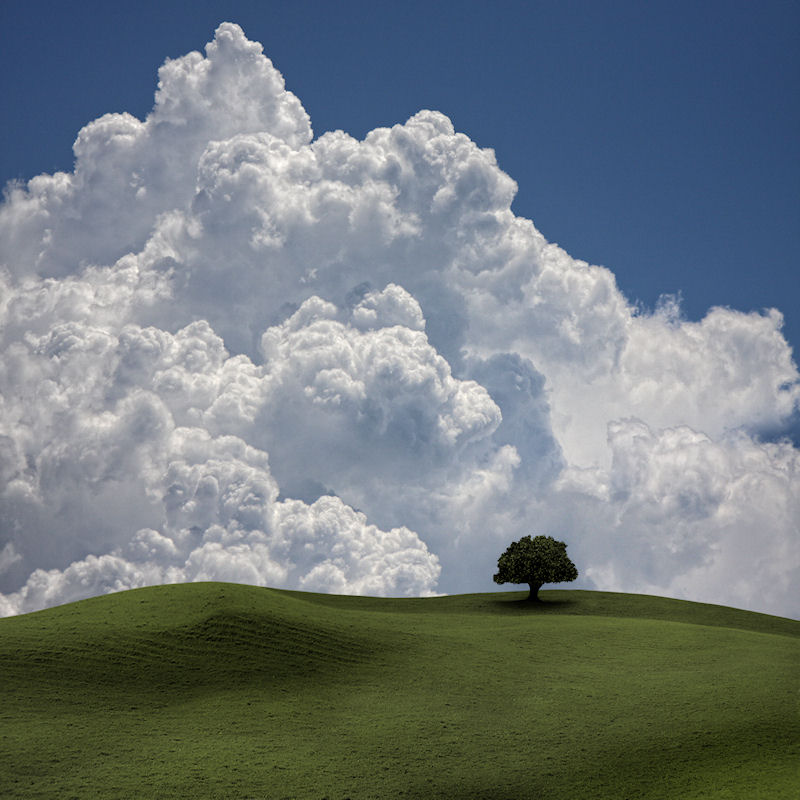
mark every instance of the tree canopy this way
{"type": "Point", "coordinates": [535, 561]}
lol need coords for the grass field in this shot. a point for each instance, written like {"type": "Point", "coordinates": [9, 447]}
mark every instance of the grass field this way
{"type": "Point", "coordinates": [224, 691]}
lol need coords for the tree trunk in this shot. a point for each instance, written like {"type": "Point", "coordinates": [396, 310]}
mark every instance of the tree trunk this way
{"type": "Point", "coordinates": [533, 597]}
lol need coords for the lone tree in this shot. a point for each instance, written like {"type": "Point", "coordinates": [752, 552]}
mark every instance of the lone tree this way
{"type": "Point", "coordinates": [537, 560]}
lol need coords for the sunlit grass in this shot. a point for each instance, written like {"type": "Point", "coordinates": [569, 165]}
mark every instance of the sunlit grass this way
{"type": "Point", "coordinates": [226, 691]}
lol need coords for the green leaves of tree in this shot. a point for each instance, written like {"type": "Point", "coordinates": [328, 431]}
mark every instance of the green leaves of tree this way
{"type": "Point", "coordinates": [535, 560]}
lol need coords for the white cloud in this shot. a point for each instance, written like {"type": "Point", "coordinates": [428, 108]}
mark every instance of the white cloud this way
{"type": "Point", "coordinates": [233, 352]}
{"type": "Point", "coordinates": [715, 520]}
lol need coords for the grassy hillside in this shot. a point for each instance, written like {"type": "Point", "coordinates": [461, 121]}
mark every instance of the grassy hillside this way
{"type": "Point", "coordinates": [224, 691]}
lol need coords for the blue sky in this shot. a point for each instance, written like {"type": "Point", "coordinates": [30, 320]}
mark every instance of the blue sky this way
{"type": "Point", "coordinates": [657, 139]}
{"type": "Point", "coordinates": [229, 351]}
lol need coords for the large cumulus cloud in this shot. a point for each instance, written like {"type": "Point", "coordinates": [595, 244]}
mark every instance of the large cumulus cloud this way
{"type": "Point", "coordinates": [235, 351]}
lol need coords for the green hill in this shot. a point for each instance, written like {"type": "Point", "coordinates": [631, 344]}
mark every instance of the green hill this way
{"type": "Point", "coordinates": [217, 690]}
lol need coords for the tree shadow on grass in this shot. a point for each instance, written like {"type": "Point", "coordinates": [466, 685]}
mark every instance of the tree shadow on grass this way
{"type": "Point", "coordinates": [521, 605]}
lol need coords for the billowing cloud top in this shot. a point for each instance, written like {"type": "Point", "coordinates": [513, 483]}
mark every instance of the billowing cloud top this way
{"type": "Point", "coordinates": [233, 351]}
